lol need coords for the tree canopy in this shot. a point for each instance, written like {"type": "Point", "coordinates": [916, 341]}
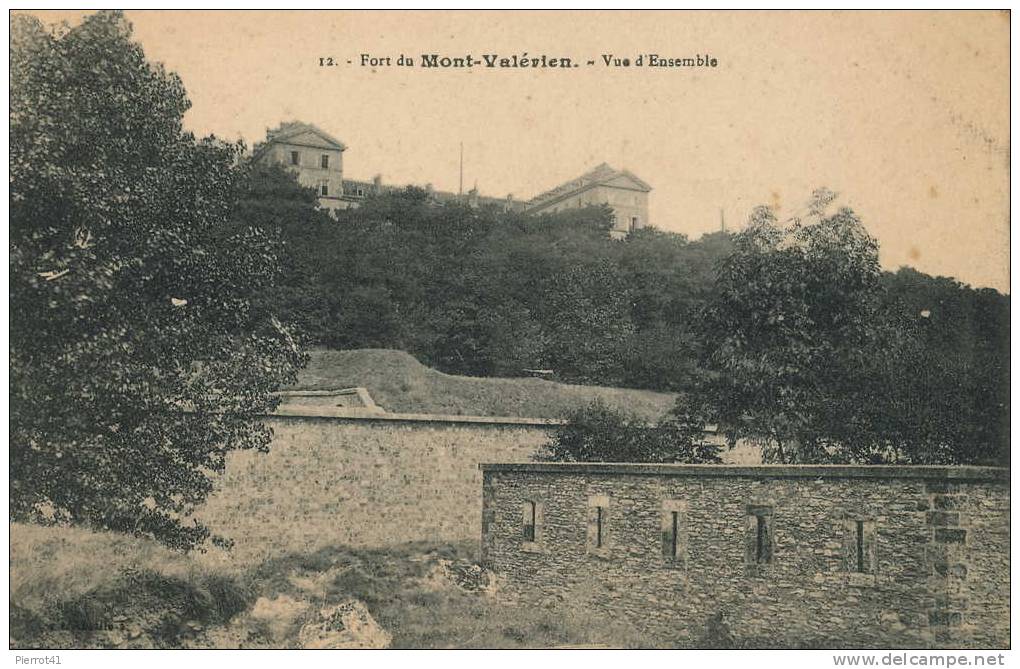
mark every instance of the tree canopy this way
{"type": "Point", "coordinates": [137, 360]}
{"type": "Point", "coordinates": [808, 351]}
{"type": "Point", "coordinates": [787, 333]}
{"type": "Point", "coordinates": [155, 280]}
{"type": "Point", "coordinates": [599, 433]}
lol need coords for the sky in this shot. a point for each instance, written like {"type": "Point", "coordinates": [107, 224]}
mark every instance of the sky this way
{"type": "Point", "coordinates": [904, 114]}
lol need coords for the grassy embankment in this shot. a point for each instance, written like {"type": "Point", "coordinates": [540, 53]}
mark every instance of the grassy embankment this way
{"type": "Point", "coordinates": [71, 588]}
{"type": "Point", "coordinates": [401, 384]}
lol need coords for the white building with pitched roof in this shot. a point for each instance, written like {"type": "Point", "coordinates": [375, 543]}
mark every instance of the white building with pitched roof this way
{"type": "Point", "coordinates": [625, 193]}
{"type": "Point", "coordinates": [314, 155]}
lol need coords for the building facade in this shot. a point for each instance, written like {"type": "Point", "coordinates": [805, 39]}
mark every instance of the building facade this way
{"type": "Point", "coordinates": [622, 191]}
{"type": "Point", "coordinates": [777, 556]}
{"type": "Point", "coordinates": [316, 157]}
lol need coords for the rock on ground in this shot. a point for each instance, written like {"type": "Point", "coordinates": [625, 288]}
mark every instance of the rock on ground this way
{"type": "Point", "coordinates": [464, 575]}
{"type": "Point", "coordinates": [346, 625]}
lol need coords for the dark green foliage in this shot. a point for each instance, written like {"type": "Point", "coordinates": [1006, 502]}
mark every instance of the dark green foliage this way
{"type": "Point", "coordinates": [944, 386]}
{"type": "Point", "coordinates": [793, 309]}
{"type": "Point", "coordinates": [490, 293]}
{"type": "Point", "coordinates": [148, 270]}
{"type": "Point", "coordinates": [598, 433]}
{"type": "Point", "coordinates": [788, 335]}
{"type": "Point", "coordinates": [136, 359]}
{"type": "Point", "coordinates": [270, 200]}
{"type": "Point", "coordinates": [809, 351]}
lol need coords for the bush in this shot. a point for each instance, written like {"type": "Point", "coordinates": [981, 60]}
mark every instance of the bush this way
{"type": "Point", "coordinates": [599, 433]}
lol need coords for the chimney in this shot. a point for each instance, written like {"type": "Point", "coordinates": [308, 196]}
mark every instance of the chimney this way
{"type": "Point", "coordinates": [377, 184]}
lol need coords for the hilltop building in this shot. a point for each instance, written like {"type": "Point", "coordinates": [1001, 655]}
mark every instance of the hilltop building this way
{"type": "Point", "coordinates": [625, 193]}
{"type": "Point", "coordinates": [317, 159]}
{"type": "Point", "coordinates": [314, 155]}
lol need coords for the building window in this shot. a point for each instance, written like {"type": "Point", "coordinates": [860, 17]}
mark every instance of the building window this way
{"type": "Point", "coordinates": [529, 520]}
{"type": "Point", "coordinates": [760, 543]}
{"type": "Point", "coordinates": [599, 537]}
{"type": "Point", "coordinates": [674, 531]}
{"type": "Point", "coordinates": [859, 544]}
{"type": "Point", "coordinates": [763, 548]}
{"type": "Point", "coordinates": [325, 161]}
{"type": "Point", "coordinates": [324, 189]}
{"type": "Point", "coordinates": [295, 157]}
{"type": "Point", "coordinates": [531, 526]}
{"type": "Point", "coordinates": [361, 192]}
{"type": "Point", "coordinates": [633, 223]}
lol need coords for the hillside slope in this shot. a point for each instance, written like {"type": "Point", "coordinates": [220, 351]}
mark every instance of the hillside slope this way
{"type": "Point", "coordinates": [74, 588]}
{"type": "Point", "coordinates": [401, 384]}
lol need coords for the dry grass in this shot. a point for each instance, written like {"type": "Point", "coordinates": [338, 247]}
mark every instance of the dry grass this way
{"type": "Point", "coordinates": [399, 383]}
{"type": "Point", "coordinates": [72, 561]}
{"type": "Point", "coordinates": [75, 588]}
{"type": "Point", "coordinates": [394, 583]}
{"type": "Point", "coordinates": [72, 588]}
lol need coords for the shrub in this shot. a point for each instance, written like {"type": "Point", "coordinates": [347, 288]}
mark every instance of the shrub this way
{"type": "Point", "coordinates": [599, 433]}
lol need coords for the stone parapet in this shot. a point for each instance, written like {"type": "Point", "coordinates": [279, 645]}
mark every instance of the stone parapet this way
{"type": "Point", "coordinates": [927, 472]}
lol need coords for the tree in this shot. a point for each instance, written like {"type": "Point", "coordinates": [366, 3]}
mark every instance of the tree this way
{"type": "Point", "coordinates": [599, 433]}
{"type": "Point", "coordinates": [587, 322]}
{"type": "Point", "coordinates": [812, 353]}
{"type": "Point", "coordinates": [945, 383]}
{"type": "Point", "coordinates": [136, 360]}
{"type": "Point", "coordinates": [792, 312]}
{"type": "Point", "coordinates": [669, 280]}
{"type": "Point", "coordinates": [288, 214]}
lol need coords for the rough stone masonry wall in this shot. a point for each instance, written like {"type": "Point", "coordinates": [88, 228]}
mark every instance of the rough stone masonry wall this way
{"type": "Point", "coordinates": [938, 549]}
{"type": "Point", "coordinates": [361, 481]}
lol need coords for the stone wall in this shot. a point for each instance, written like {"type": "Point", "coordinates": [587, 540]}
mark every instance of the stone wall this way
{"type": "Point", "coordinates": [817, 556]}
{"type": "Point", "coordinates": [346, 476]}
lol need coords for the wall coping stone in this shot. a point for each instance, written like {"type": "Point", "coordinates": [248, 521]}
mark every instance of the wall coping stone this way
{"type": "Point", "coordinates": [928, 472]}
{"type": "Point", "coordinates": [367, 414]}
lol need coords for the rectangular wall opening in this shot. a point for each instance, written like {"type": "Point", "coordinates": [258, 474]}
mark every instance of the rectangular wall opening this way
{"type": "Point", "coordinates": [599, 521]}
{"type": "Point", "coordinates": [529, 521]}
{"type": "Point", "coordinates": [762, 549]}
{"type": "Point", "coordinates": [760, 539]}
{"type": "Point", "coordinates": [859, 544]}
{"type": "Point", "coordinates": [674, 531]}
